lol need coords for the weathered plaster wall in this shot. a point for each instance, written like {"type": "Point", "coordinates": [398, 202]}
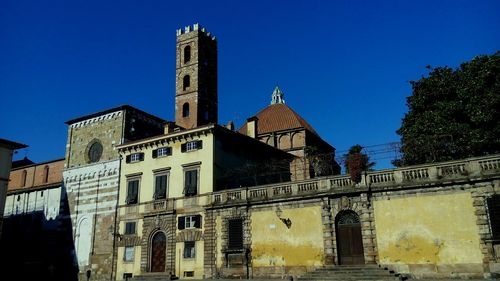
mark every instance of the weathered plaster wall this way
{"type": "Point", "coordinates": [275, 245]}
{"type": "Point", "coordinates": [429, 234]}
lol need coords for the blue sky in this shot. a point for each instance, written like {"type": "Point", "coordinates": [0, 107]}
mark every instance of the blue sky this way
{"type": "Point", "coordinates": [344, 66]}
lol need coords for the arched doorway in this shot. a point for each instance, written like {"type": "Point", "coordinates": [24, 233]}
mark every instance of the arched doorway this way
{"type": "Point", "coordinates": [349, 240]}
{"type": "Point", "coordinates": [158, 252]}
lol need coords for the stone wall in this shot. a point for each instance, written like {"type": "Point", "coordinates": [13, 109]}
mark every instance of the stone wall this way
{"type": "Point", "coordinates": [106, 129]}
{"type": "Point", "coordinates": [92, 196]}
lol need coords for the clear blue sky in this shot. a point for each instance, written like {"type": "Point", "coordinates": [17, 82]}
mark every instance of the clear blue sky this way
{"type": "Point", "coordinates": [343, 65]}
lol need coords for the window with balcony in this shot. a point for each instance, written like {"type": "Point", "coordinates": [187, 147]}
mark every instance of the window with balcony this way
{"type": "Point", "coordinates": [190, 182]}
{"type": "Point", "coordinates": [161, 183]}
{"type": "Point", "coordinates": [132, 192]}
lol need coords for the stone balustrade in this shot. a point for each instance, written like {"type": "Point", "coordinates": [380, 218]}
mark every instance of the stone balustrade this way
{"type": "Point", "coordinates": [413, 175]}
{"type": "Point", "coordinates": [431, 174]}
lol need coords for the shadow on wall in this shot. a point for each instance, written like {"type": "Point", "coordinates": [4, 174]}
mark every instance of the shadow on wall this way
{"type": "Point", "coordinates": [34, 248]}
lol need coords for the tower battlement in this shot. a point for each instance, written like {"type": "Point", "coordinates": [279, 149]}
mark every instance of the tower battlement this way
{"type": "Point", "coordinates": [192, 28]}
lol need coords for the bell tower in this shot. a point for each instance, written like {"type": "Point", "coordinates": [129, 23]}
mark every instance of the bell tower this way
{"type": "Point", "coordinates": [196, 77]}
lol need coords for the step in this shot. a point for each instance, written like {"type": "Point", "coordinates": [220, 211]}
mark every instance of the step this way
{"type": "Point", "coordinates": [348, 273]}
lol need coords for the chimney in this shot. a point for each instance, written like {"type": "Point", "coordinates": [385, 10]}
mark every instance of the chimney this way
{"type": "Point", "coordinates": [230, 125]}
{"type": "Point", "coordinates": [252, 126]}
{"type": "Point", "coordinates": [168, 127]}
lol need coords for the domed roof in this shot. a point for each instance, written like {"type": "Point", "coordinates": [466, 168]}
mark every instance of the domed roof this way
{"type": "Point", "coordinates": [278, 117]}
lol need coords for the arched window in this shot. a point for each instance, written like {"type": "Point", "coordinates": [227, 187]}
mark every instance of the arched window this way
{"type": "Point", "coordinates": [187, 54]}
{"type": "Point", "coordinates": [23, 178]}
{"type": "Point", "coordinates": [186, 82]}
{"type": "Point", "coordinates": [185, 110]}
{"type": "Point", "coordinates": [46, 174]}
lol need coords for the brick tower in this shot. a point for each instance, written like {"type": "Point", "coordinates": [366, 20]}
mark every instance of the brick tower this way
{"type": "Point", "coordinates": [196, 78]}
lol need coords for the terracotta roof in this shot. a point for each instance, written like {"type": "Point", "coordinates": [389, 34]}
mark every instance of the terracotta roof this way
{"type": "Point", "coordinates": [278, 117]}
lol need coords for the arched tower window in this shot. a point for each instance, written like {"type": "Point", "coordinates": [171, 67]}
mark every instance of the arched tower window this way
{"type": "Point", "coordinates": [187, 54]}
{"type": "Point", "coordinates": [23, 178]}
{"type": "Point", "coordinates": [46, 174]}
{"type": "Point", "coordinates": [186, 82]}
{"type": "Point", "coordinates": [185, 110]}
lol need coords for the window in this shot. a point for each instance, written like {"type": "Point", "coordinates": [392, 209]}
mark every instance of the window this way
{"type": "Point", "coordinates": [161, 186]}
{"type": "Point", "coordinates": [191, 146]}
{"type": "Point", "coordinates": [162, 151]}
{"type": "Point", "coordinates": [130, 227]}
{"type": "Point", "coordinates": [188, 273]}
{"type": "Point", "coordinates": [235, 231]}
{"type": "Point", "coordinates": [189, 250]}
{"type": "Point", "coordinates": [45, 174]}
{"type": "Point", "coordinates": [23, 178]}
{"type": "Point", "coordinates": [186, 82]}
{"type": "Point", "coordinates": [188, 222]}
{"type": "Point", "coordinates": [191, 182]}
{"type": "Point", "coordinates": [94, 151]}
{"type": "Point", "coordinates": [493, 205]}
{"type": "Point", "coordinates": [185, 110]}
{"type": "Point", "coordinates": [129, 253]}
{"type": "Point", "coordinates": [187, 54]}
{"type": "Point", "coordinates": [135, 157]}
{"type": "Point", "coordinates": [132, 191]}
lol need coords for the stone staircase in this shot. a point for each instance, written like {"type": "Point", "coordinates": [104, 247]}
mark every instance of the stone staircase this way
{"type": "Point", "coordinates": [355, 272]}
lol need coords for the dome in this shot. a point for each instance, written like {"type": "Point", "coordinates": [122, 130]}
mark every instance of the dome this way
{"type": "Point", "coordinates": [278, 117]}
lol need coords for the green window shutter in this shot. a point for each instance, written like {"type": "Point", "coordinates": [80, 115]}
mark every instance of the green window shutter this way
{"type": "Point", "coordinates": [197, 221]}
{"type": "Point", "coordinates": [181, 223]}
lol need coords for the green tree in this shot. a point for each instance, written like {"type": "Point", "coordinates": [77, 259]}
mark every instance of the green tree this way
{"type": "Point", "coordinates": [356, 162]}
{"type": "Point", "coordinates": [453, 113]}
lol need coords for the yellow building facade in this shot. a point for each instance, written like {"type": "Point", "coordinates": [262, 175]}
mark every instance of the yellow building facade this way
{"type": "Point", "coordinates": [162, 197]}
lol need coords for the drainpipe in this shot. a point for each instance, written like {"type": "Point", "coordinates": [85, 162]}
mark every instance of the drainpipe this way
{"type": "Point", "coordinates": [113, 255]}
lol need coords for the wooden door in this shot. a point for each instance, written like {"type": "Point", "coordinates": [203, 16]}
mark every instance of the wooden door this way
{"type": "Point", "coordinates": [349, 239]}
{"type": "Point", "coordinates": [158, 252]}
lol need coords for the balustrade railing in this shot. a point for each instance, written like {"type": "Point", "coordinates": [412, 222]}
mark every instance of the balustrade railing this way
{"type": "Point", "coordinates": [455, 170]}
{"type": "Point", "coordinates": [159, 206]}
{"type": "Point", "coordinates": [381, 178]}
{"type": "Point", "coordinates": [341, 182]}
{"type": "Point", "coordinates": [308, 186]}
{"type": "Point", "coordinates": [257, 193]}
{"type": "Point", "coordinates": [416, 174]}
{"type": "Point", "coordinates": [284, 189]}
{"type": "Point", "coordinates": [489, 165]}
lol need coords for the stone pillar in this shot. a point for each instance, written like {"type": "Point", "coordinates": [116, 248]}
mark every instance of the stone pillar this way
{"type": "Point", "coordinates": [328, 232]}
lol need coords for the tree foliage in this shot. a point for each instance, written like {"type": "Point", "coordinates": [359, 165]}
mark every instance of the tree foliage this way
{"type": "Point", "coordinates": [357, 162]}
{"type": "Point", "coordinates": [453, 113]}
